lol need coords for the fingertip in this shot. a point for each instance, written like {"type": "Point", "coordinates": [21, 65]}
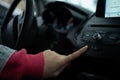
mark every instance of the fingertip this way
{"type": "Point", "coordinates": [77, 53]}
{"type": "Point", "coordinates": [85, 47]}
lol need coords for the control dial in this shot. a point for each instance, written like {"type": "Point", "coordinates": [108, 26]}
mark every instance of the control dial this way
{"type": "Point", "coordinates": [97, 36]}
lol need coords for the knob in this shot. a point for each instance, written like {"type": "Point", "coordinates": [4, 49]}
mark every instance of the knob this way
{"type": "Point", "coordinates": [97, 36]}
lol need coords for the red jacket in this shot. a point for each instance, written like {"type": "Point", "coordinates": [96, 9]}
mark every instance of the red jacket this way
{"type": "Point", "coordinates": [21, 65]}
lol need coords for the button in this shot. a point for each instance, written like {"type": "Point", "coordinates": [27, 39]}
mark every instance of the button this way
{"type": "Point", "coordinates": [113, 36]}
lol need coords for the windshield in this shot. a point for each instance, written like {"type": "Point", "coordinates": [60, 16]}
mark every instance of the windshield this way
{"type": "Point", "coordinates": [20, 6]}
{"type": "Point", "coordinates": [88, 4]}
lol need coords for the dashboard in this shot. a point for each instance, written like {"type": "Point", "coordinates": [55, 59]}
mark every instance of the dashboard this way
{"type": "Point", "coordinates": [102, 34]}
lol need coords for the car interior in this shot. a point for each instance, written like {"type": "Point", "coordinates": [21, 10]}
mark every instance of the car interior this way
{"type": "Point", "coordinates": [65, 27]}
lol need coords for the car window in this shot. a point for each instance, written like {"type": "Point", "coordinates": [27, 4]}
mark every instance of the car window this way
{"type": "Point", "coordinates": [18, 10]}
{"type": "Point", "coordinates": [20, 5]}
{"type": "Point", "coordinates": [88, 4]}
{"type": "Point", "coordinates": [8, 1]}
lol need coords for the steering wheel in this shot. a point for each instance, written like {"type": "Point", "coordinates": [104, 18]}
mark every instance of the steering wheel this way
{"type": "Point", "coordinates": [59, 16]}
{"type": "Point", "coordinates": [15, 31]}
{"type": "Point", "coordinates": [62, 15]}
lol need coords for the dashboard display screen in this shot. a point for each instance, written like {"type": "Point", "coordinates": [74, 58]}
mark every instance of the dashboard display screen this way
{"type": "Point", "coordinates": [112, 8]}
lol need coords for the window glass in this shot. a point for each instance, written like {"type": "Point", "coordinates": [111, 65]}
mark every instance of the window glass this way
{"type": "Point", "coordinates": [20, 5]}
{"type": "Point", "coordinates": [88, 4]}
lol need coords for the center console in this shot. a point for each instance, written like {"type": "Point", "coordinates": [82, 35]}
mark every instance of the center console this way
{"type": "Point", "coordinates": [101, 31]}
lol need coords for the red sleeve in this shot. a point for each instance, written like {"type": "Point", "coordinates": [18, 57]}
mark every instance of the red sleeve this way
{"type": "Point", "coordinates": [23, 65]}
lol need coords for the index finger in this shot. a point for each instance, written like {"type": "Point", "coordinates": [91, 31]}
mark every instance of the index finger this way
{"type": "Point", "coordinates": [76, 54]}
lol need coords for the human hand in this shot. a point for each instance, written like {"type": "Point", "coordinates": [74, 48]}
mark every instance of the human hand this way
{"type": "Point", "coordinates": [55, 63]}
